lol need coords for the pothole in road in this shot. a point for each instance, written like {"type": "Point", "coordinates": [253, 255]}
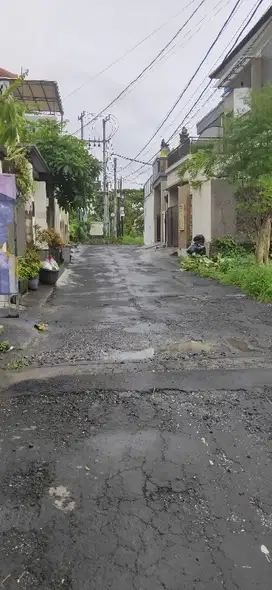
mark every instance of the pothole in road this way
{"type": "Point", "coordinates": [240, 345]}
{"type": "Point", "coordinates": [194, 346]}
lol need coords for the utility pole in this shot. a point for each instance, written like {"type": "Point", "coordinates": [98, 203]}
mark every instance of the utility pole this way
{"type": "Point", "coordinates": [122, 213]}
{"type": "Point", "coordinates": [115, 198]}
{"type": "Point", "coordinates": [81, 119]}
{"type": "Point", "coordinates": [105, 191]}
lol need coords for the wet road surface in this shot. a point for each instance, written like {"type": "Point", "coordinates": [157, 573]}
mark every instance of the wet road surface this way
{"type": "Point", "coordinates": [136, 447]}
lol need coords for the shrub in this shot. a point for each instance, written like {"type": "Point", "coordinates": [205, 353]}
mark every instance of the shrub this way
{"type": "Point", "coordinates": [50, 237]}
{"type": "Point", "coordinates": [228, 247]}
{"type": "Point", "coordinates": [28, 269]}
{"type": "Point", "coordinates": [243, 272]}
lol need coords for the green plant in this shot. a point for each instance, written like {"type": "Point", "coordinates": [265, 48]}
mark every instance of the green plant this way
{"type": "Point", "coordinates": [74, 171]}
{"type": "Point", "coordinates": [28, 269]}
{"type": "Point", "coordinates": [51, 237]}
{"type": "Point", "coordinates": [229, 247]}
{"type": "Point", "coordinates": [128, 240]}
{"type": "Point", "coordinates": [21, 362]}
{"type": "Point", "coordinates": [4, 346]}
{"type": "Point", "coordinates": [254, 279]}
{"type": "Point", "coordinates": [12, 127]}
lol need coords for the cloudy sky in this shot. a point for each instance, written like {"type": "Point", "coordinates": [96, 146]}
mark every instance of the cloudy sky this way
{"type": "Point", "coordinates": [71, 42]}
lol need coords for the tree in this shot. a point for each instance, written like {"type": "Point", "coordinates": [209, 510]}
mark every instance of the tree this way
{"type": "Point", "coordinates": [244, 158]}
{"type": "Point", "coordinates": [133, 207]}
{"type": "Point", "coordinates": [74, 171]}
{"type": "Point", "coordinates": [12, 126]}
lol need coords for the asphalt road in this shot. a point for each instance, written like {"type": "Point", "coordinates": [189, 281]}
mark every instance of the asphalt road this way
{"type": "Point", "coordinates": [136, 446]}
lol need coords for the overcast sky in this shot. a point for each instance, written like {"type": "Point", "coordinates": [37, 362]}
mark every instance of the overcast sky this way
{"type": "Point", "coordinates": [70, 42]}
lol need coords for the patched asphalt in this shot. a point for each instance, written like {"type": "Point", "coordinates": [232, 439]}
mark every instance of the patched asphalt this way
{"type": "Point", "coordinates": [136, 446]}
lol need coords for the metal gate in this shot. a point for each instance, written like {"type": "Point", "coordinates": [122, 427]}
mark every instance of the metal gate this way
{"type": "Point", "coordinates": [171, 226]}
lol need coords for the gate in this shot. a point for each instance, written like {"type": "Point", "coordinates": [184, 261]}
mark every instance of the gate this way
{"type": "Point", "coordinates": [171, 226]}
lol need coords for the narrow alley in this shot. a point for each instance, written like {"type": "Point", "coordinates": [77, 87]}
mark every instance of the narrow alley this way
{"type": "Point", "coordinates": [136, 446]}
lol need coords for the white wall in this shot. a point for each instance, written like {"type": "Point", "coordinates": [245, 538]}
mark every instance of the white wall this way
{"type": "Point", "coordinates": [201, 210]}
{"type": "Point", "coordinates": [149, 229]}
{"type": "Point", "coordinates": [212, 132]}
{"type": "Point", "coordinates": [40, 204]}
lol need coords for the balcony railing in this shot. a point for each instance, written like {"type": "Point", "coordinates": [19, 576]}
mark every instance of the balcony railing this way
{"type": "Point", "coordinates": [180, 152]}
{"type": "Point", "coordinates": [189, 147]}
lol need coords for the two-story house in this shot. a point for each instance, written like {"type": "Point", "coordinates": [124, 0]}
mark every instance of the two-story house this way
{"type": "Point", "coordinates": [248, 66]}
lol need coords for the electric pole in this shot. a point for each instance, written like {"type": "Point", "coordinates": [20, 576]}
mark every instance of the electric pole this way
{"type": "Point", "coordinates": [81, 119]}
{"type": "Point", "coordinates": [115, 198]}
{"type": "Point", "coordinates": [105, 191]}
{"type": "Point", "coordinates": [121, 208]}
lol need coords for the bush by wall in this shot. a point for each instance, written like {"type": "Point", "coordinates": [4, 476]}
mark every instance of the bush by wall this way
{"type": "Point", "coordinates": [242, 271]}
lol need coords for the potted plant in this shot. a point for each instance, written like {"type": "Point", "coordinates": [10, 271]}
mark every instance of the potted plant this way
{"type": "Point", "coordinates": [33, 276]}
{"type": "Point", "coordinates": [29, 271]}
{"type": "Point", "coordinates": [49, 276]}
{"type": "Point", "coordinates": [22, 276]}
{"type": "Point", "coordinates": [54, 242]}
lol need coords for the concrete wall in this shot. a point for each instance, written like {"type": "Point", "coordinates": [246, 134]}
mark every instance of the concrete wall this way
{"type": "Point", "coordinates": [61, 222]}
{"type": "Point", "coordinates": [223, 211]}
{"type": "Point", "coordinates": [173, 178]}
{"type": "Point", "coordinates": [173, 196]}
{"type": "Point", "coordinates": [267, 71]}
{"type": "Point", "coordinates": [149, 229]}
{"type": "Point", "coordinates": [201, 210]}
{"type": "Point", "coordinates": [212, 132]}
{"type": "Point", "coordinates": [40, 205]}
{"type": "Point", "coordinates": [214, 212]}
{"type": "Point", "coordinates": [64, 225]}
{"type": "Point", "coordinates": [21, 229]}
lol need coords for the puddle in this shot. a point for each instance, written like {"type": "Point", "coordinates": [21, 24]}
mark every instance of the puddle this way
{"type": "Point", "coordinates": [239, 345]}
{"type": "Point", "coordinates": [189, 346]}
{"type": "Point", "coordinates": [196, 346]}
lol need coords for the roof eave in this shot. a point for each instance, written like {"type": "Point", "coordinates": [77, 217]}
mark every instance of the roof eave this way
{"type": "Point", "coordinates": [264, 20]}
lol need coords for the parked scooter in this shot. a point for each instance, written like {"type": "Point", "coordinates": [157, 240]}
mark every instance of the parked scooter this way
{"type": "Point", "coordinates": [197, 247]}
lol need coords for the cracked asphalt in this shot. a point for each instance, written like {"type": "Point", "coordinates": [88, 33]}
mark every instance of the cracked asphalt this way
{"type": "Point", "coordinates": [136, 445]}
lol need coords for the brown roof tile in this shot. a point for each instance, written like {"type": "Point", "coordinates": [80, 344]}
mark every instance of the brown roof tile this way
{"type": "Point", "coordinates": [6, 74]}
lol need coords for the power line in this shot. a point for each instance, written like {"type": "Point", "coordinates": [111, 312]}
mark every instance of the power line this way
{"type": "Point", "coordinates": [150, 64]}
{"type": "Point", "coordinates": [247, 23]}
{"type": "Point", "coordinates": [128, 51]}
{"type": "Point", "coordinates": [231, 49]}
{"type": "Point", "coordinates": [225, 24]}
{"type": "Point", "coordinates": [132, 159]}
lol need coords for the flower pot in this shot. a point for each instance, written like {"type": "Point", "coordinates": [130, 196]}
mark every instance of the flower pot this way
{"type": "Point", "coordinates": [33, 284]}
{"type": "Point", "coordinates": [23, 283]}
{"type": "Point", "coordinates": [48, 277]}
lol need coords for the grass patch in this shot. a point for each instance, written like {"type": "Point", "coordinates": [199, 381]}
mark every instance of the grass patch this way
{"type": "Point", "coordinates": [128, 240]}
{"type": "Point", "coordinates": [243, 272]}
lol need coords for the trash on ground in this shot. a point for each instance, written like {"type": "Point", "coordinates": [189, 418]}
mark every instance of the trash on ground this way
{"type": "Point", "coordinates": [41, 327]}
